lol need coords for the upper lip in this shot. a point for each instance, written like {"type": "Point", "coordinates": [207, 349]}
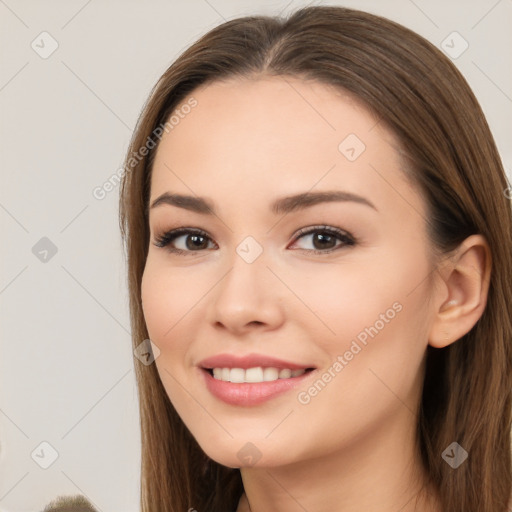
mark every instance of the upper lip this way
{"type": "Point", "coordinates": [249, 361]}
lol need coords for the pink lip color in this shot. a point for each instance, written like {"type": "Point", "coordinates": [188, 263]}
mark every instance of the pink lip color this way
{"type": "Point", "coordinates": [250, 393]}
{"type": "Point", "coordinates": [249, 361]}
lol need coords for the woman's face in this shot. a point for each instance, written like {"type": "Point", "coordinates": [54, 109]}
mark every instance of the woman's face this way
{"type": "Point", "coordinates": [247, 285]}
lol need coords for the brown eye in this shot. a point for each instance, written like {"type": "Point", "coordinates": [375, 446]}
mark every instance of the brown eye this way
{"type": "Point", "coordinates": [325, 239]}
{"type": "Point", "coordinates": [193, 240]}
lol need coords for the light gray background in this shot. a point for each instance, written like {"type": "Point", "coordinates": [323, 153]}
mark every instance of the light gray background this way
{"type": "Point", "coordinates": [66, 370]}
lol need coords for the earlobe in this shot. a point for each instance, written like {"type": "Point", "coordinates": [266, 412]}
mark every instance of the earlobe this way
{"type": "Point", "coordinates": [464, 287]}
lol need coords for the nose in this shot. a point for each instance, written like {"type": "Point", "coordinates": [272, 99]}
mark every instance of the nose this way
{"type": "Point", "coordinates": [249, 296]}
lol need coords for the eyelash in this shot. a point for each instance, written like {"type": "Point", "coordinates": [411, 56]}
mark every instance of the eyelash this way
{"type": "Point", "coordinates": [166, 238]}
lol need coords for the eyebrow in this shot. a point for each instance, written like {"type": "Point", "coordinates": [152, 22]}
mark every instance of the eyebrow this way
{"type": "Point", "coordinates": [280, 206]}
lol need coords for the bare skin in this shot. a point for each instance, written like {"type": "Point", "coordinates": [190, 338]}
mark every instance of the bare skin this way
{"type": "Point", "coordinates": [350, 446]}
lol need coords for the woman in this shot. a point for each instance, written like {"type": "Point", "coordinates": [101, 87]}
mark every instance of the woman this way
{"type": "Point", "coordinates": [318, 242]}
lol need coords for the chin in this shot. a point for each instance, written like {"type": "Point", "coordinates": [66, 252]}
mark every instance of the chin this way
{"type": "Point", "coordinates": [240, 453]}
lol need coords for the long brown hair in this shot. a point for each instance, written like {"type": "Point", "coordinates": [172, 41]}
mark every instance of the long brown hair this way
{"type": "Point", "coordinates": [417, 93]}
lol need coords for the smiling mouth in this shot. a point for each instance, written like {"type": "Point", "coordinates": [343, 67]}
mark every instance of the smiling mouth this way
{"type": "Point", "coordinates": [255, 374]}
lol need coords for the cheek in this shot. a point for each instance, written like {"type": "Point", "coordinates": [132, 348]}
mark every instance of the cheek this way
{"type": "Point", "coordinates": [168, 297]}
{"type": "Point", "coordinates": [377, 313]}
{"type": "Point", "coordinates": [350, 298]}
{"type": "Point", "coordinates": [373, 371]}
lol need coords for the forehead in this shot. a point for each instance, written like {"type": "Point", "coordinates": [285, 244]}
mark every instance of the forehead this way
{"type": "Point", "coordinates": [274, 136]}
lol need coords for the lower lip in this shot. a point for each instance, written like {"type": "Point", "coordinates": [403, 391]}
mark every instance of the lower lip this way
{"type": "Point", "coordinates": [249, 393]}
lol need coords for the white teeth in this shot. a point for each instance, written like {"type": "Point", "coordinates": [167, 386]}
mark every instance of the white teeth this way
{"type": "Point", "coordinates": [270, 374]}
{"type": "Point", "coordinates": [237, 375]}
{"type": "Point", "coordinates": [285, 374]}
{"type": "Point", "coordinates": [256, 374]}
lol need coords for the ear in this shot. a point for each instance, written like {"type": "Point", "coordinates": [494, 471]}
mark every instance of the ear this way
{"type": "Point", "coordinates": [462, 293]}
